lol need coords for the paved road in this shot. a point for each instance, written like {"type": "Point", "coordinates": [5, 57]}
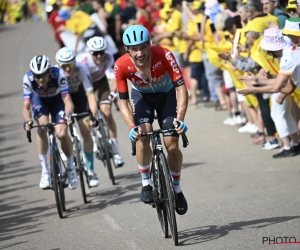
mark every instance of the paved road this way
{"type": "Point", "coordinates": [237, 193]}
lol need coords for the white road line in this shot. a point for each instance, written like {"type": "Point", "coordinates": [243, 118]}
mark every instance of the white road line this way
{"type": "Point", "coordinates": [110, 221]}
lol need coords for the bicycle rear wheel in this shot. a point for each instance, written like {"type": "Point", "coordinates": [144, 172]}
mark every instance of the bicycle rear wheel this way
{"type": "Point", "coordinates": [56, 182]}
{"type": "Point", "coordinates": [103, 141]}
{"type": "Point", "coordinates": [169, 197]}
{"type": "Point", "coordinates": [158, 200]}
{"type": "Point", "coordinates": [80, 168]}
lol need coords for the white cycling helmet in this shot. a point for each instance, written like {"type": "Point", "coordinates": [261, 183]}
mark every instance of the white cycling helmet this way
{"type": "Point", "coordinates": [40, 64]}
{"type": "Point", "coordinates": [96, 43]}
{"type": "Point", "coordinates": [65, 56]}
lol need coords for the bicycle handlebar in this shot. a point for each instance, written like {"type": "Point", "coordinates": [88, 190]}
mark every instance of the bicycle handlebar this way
{"type": "Point", "coordinates": [93, 119]}
{"type": "Point", "coordinates": [117, 106]}
{"type": "Point", "coordinates": [185, 141]}
{"type": "Point", "coordinates": [48, 125]}
{"type": "Point", "coordinates": [28, 133]}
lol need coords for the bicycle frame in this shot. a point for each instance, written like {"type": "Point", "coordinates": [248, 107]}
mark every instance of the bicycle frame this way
{"type": "Point", "coordinates": [80, 145]}
{"type": "Point", "coordinates": [157, 146]}
{"type": "Point", "coordinates": [52, 144]}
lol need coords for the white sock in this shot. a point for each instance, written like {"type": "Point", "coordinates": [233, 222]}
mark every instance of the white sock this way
{"type": "Point", "coordinates": [44, 164]}
{"type": "Point", "coordinates": [70, 165]}
{"type": "Point", "coordinates": [145, 173]}
{"type": "Point", "coordinates": [176, 181]}
{"type": "Point", "coordinates": [114, 146]}
{"type": "Point", "coordinates": [286, 148]}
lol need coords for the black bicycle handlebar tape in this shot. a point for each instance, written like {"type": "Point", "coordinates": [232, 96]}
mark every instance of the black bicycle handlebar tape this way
{"type": "Point", "coordinates": [185, 141]}
{"type": "Point", "coordinates": [71, 130]}
{"type": "Point", "coordinates": [28, 136]}
{"type": "Point", "coordinates": [117, 106]}
{"type": "Point", "coordinates": [133, 146]}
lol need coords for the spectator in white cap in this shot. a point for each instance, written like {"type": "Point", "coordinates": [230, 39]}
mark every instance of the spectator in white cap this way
{"type": "Point", "coordinates": [274, 44]}
{"type": "Point", "coordinates": [273, 7]}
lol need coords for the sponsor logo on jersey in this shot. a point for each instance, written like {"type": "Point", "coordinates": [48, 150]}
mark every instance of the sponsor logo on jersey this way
{"type": "Point", "coordinates": [156, 65]}
{"type": "Point", "coordinates": [180, 82]}
{"type": "Point", "coordinates": [172, 60]}
{"type": "Point", "coordinates": [138, 82]}
{"type": "Point", "coordinates": [26, 87]}
{"type": "Point", "coordinates": [63, 81]}
{"type": "Point", "coordinates": [178, 77]}
{"type": "Point", "coordinates": [144, 120]}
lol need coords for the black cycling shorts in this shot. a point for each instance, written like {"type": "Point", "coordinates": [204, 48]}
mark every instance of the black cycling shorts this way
{"type": "Point", "coordinates": [102, 90]}
{"type": "Point", "coordinates": [165, 105]}
{"type": "Point", "coordinates": [80, 102]}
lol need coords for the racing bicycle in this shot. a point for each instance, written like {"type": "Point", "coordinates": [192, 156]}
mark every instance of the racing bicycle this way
{"type": "Point", "coordinates": [163, 188]}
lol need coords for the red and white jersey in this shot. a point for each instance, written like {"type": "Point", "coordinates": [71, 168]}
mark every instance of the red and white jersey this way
{"type": "Point", "coordinates": [165, 73]}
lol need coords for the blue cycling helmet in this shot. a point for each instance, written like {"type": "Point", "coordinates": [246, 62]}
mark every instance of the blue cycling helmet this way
{"type": "Point", "coordinates": [135, 35]}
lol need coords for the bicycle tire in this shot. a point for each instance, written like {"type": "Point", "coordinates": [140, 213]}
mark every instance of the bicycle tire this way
{"type": "Point", "coordinates": [169, 200]}
{"type": "Point", "coordinates": [159, 205]}
{"type": "Point", "coordinates": [80, 169]}
{"type": "Point", "coordinates": [107, 158]}
{"type": "Point", "coordinates": [57, 185]}
{"type": "Point", "coordinates": [63, 197]}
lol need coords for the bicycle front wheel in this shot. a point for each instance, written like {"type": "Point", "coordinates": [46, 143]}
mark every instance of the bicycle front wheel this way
{"type": "Point", "coordinates": [168, 197]}
{"type": "Point", "coordinates": [105, 147]}
{"type": "Point", "coordinates": [56, 182]}
{"type": "Point", "coordinates": [80, 168]}
{"type": "Point", "coordinates": [158, 199]}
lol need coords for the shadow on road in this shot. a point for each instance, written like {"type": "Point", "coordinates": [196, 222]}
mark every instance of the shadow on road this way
{"type": "Point", "coordinates": [16, 220]}
{"type": "Point", "coordinates": [7, 28]}
{"type": "Point", "coordinates": [12, 93]}
{"type": "Point", "coordinates": [203, 234]}
{"type": "Point", "coordinates": [192, 164]}
{"type": "Point", "coordinates": [104, 198]}
{"type": "Point", "coordinates": [127, 190]}
{"type": "Point", "coordinates": [8, 246]}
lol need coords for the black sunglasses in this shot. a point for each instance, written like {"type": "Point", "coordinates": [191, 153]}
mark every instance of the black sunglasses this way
{"type": "Point", "coordinates": [39, 76]}
{"type": "Point", "coordinates": [96, 53]}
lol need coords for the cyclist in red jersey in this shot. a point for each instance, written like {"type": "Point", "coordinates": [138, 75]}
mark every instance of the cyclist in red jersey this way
{"type": "Point", "coordinates": [156, 80]}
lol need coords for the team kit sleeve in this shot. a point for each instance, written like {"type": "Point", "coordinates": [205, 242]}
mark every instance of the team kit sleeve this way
{"type": "Point", "coordinates": [121, 80]}
{"type": "Point", "coordinates": [63, 84]}
{"type": "Point", "coordinates": [27, 89]}
{"type": "Point", "coordinates": [110, 72]}
{"type": "Point", "coordinates": [288, 64]}
{"type": "Point", "coordinates": [173, 69]}
{"type": "Point", "coordinates": [86, 78]}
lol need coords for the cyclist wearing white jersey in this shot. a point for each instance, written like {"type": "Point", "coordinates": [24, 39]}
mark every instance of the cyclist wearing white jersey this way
{"type": "Point", "coordinates": [45, 91]}
{"type": "Point", "coordinates": [83, 98]}
{"type": "Point", "coordinates": [100, 64]}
